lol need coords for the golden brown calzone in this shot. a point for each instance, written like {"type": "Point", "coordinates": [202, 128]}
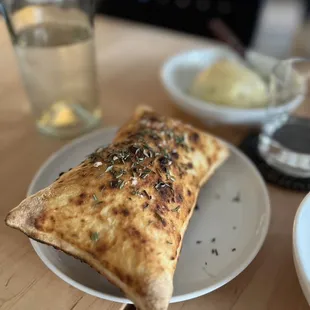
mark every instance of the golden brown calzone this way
{"type": "Point", "coordinates": [124, 209]}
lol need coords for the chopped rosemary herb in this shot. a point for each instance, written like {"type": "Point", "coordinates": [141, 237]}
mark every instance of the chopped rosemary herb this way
{"type": "Point", "coordinates": [137, 193]}
{"type": "Point", "coordinates": [145, 153]}
{"type": "Point", "coordinates": [169, 242]}
{"type": "Point", "coordinates": [169, 176]}
{"type": "Point", "coordinates": [95, 197]}
{"type": "Point", "coordinates": [179, 139]}
{"type": "Point", "coordinates": [145, 173]}
{"type": "Point", "coordinates": [94, 236]}
{"type": "Point", "coordinates": [96, 203]}
{"type": "Point", "coordinates": [169, 133]}
{"type": "Point", "coordinates": [94, 157]}
{"type": "Point", "coordinates": [109, 168]}
{"type": "Point", "coordinates": [121, 184]}
{"type": "Point", "coordinates": [119, 173]}
{"type": "Point", "coordinates": [161, 185]}
{"type": "Point", "coordinates": [158, 171]}
{"type": "Point", "coordinates": [176, 209]}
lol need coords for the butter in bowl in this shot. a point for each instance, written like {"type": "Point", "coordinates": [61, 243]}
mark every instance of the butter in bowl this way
{"type": "Point", "coordinates": [217, 86]}
{"type": "Point", "coordinates": [230, 83]}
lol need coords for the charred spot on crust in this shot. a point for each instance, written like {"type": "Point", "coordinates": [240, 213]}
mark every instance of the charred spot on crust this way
{"type": "Point", "coordinates": [164, 162]}
{"type": "Point", "coordinates": [179, 197]}
{"type": "Point", "coordinates": [82, 174]}
{"type": "Point", "coordinates": [190, 166]}
{"type": "Point", "coordinates": [39, 221]}
{"type": "Point", "coordinates": [153, 119]}
{"type": "Point", "coordinates": [165, 193]}
{"type": "Point", "coordinates": [189, 193]}
{"type": "Point", "coordinates": [114, 184]}
{"type": "Point", "coordinates": [162, 209]}
{"type": "Point", "coordinates": [172, 258]}
{"type": "Point", "coordinates": [189, 210]}
{"type": "Point", "coordinates": [194, 137]}
{"type": "Point", "coordinates": [79, 202]}
{"type": "Point", "coordinates": [128, 279]}
{"type": "Point", "coordinates": [133, 232]}
{"type": "Point", "coordinates": [82, 195]}
{"type": "Point", "coordinates": [101, 187]}
{"type": "Point", "coordinates": [102, 248]}
{"type": "Point", "coordinates": [114, 211]}
{"type": "Point", "coordinates": [145, 205]}
{"type": "Point", "coordinates": [175, 155]}
{"type": "Point", "coordinates": [132, 149]}
{"type": "Point", "coordinates": [214, 157]}
{"type": "Point", "coordinates": [125, 212]}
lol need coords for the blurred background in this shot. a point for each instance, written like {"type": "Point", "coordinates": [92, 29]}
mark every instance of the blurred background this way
{"type": "Point", "coordinates": [277, 28]}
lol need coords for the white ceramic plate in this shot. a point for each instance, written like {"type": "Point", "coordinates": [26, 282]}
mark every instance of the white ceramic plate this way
{"type": "Point", "coordinates": [301, 245]}
{"type": "Point", "coordinates": [239, 224]}
{"type": "Point", "coordinates": [178, 73]}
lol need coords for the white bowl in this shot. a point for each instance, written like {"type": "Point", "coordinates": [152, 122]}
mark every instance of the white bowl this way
{"type": "Point", "coordinates": [301, 245]}
{"type": "Point", "coordinates": [178, 73]}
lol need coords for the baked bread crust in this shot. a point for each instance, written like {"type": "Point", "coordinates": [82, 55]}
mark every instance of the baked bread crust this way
{"type": "Point", "coordinates": [125, 209]}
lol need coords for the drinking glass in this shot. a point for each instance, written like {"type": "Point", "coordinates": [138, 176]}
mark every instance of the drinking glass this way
{"type": "Point", "coordinates": [54, 44]}
{"type": "Point", "coordinates": [284, 141]}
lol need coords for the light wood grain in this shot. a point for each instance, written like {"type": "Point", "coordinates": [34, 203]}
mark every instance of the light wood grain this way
{"type": "Point", "coordinates": [129, 58]}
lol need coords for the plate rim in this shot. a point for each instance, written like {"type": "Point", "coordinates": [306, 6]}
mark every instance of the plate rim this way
{"type": "Point", "coordinates": [37, 245]}
{"type": "Point", "coordinates": [297, 259]}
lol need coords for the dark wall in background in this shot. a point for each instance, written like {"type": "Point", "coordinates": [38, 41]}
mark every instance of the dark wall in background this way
{"type": "Point", "coordinates": [189, 16]}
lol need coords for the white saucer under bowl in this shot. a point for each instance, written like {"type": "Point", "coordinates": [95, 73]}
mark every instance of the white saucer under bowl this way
{"type": "Point", "coordinates": [224, 235]}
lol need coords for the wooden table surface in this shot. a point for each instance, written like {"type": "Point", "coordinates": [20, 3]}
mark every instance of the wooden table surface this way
{"type": "Point", "coordinates": [129, 58]}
